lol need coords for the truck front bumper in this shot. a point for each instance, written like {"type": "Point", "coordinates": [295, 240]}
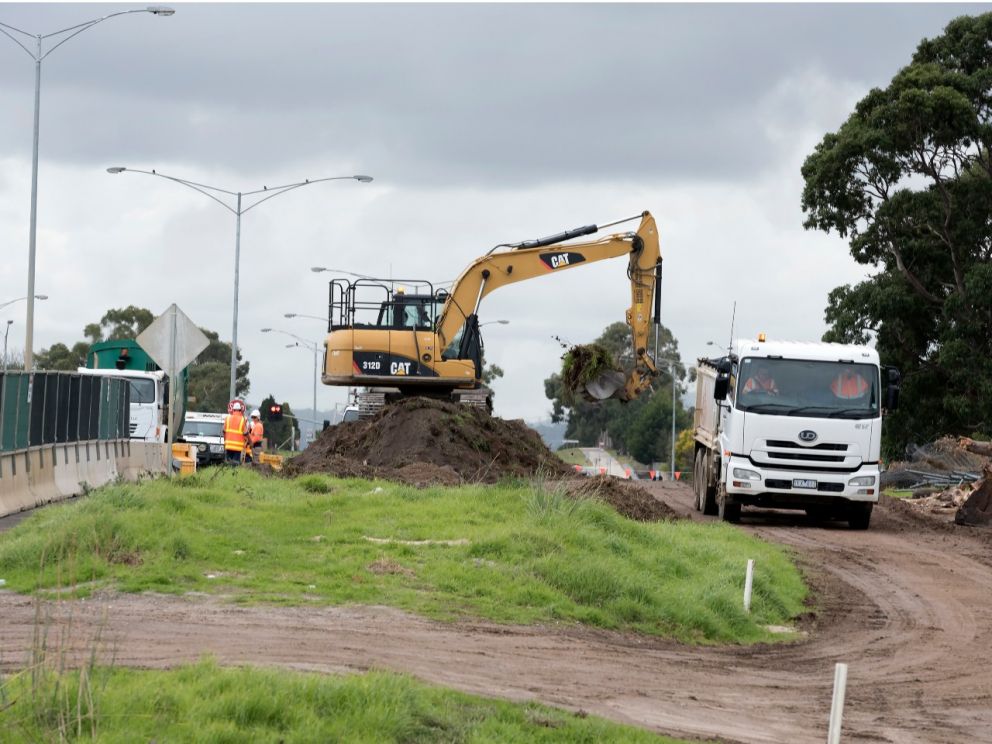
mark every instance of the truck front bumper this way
{"type": "Point", "coordinates": [799, 487]}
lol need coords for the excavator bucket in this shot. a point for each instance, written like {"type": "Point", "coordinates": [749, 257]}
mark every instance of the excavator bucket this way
{"type": "Point", "coordinates": [605, 385]}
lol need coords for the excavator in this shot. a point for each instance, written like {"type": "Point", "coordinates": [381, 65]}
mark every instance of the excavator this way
{"type": "Point", "coordinates": [396, 338]}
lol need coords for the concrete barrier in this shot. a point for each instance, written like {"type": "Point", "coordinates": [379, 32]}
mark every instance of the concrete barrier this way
{"type": "Point", "coordinates": [39, 475]}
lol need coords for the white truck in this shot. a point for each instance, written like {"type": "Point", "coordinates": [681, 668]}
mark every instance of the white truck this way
{"type": "Point", "coordinates": [791, 425]}
{"type": "Point", "coordinates": [149, 401]}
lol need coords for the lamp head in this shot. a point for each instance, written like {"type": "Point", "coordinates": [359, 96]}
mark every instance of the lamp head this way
{"type": "Point", "coordinates": [289, 315]}
{"type": "Point", "coordinates": [41, 297]}
{"type": "Point", "coordinates": [317, 269]}
{"type": "Point", "coordinates": [160, 10]}
{"type": "Point", "coordinates": [116, 169]}
{"type": "Point", "coordinates": [266, 330]}
{"type": "Point", "coordinates": [363, 179]}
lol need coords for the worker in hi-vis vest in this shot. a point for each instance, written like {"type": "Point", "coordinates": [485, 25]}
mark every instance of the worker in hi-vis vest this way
{"type": "Point", "coordinates": [235, 432]}
{"type": "Point", "coordinates": [255, 434]}
{"type": "Point", "coordinates": [849, 384]}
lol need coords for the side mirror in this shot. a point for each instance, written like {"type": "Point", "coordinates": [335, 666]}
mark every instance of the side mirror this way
{"type": "Point", "coordinates": [893, 379]}
{"type": "Point", "coordinates": [892, 398]}
{"type": "Point", "coordinates": [721, 387]}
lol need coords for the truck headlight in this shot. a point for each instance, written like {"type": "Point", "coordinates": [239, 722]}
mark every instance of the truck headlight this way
{"type": "Point", "coordinates": [216, 448]}
{"type": "Point", "coordinates": [746, 474]}
{"type": "Point", "coordinates": [862, 480]}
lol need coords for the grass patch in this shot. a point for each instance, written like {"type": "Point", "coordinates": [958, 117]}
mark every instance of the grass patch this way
{"type": "Point", "coordinates": [572, 456]}
{"type": "Point", "coordinates": [511, 553]}
{"type": "Point", "coordinates": [899, 493]}
{"type": "Point", "coordinates": [206, 703]}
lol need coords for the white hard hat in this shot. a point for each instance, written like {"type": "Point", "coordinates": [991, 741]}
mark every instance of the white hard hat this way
{"type": "Point", "coordinates": [256, 414]}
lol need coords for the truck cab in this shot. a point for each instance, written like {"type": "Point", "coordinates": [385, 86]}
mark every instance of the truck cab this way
{"type": "Point", "coordinates": [791, 425]}
{"type": "Point", "coordinates": [148, 401]}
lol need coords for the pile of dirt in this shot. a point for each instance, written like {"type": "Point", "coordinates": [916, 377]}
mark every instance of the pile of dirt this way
{"type": "Point", "coordinates": [626, 497]}
{"type": "Point", "coordinates": [422, 441]}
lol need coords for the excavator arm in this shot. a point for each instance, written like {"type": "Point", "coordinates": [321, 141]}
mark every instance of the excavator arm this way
{"type": "Point", "coordinates": [529, 259]}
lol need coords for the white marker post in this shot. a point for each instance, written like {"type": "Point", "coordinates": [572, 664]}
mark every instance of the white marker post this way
{"type": "Point", "coordinates": [837, 706]}
{"type": "Point", "coordinates": [748, 583]}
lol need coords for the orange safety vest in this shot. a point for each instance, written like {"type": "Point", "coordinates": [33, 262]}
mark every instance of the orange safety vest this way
{"type": "Point", "coordinates": [234, 432]}
{"type": "Point", "coordinates": [753, 383]}
{"type": "Point", "coordinates": [849, 385]}
{"type": "Point", "coordinates": [256, 433]}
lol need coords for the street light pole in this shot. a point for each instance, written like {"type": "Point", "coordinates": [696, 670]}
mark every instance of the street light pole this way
{"type": "Point", "coordinates": [38, 56]}
{"type": "Point", "coordinates": [238, 210]}
{"type": "Point", "coordinates": [9, 322]}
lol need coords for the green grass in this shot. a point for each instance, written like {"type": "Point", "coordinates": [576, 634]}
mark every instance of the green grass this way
{"type": "Point", "coordinates": [206, 703]}
{"type": "Point", "coordinates": [572, 456]}
{"type": "Point", "coordinates": [531, 554]}
{"type": "Point", "coordinates": [899, 493]}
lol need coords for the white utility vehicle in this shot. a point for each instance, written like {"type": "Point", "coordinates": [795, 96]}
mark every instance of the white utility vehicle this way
{"type": "Point", "coordinates": [206, 432]}
{"type": "Point", "coordinates": [149, 401]}
{"type": "Point", "coordinates": [791, 425]}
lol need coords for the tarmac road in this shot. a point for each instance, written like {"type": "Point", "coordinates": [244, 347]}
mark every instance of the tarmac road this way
{"type": "Point", "coordinates": [907, 604]}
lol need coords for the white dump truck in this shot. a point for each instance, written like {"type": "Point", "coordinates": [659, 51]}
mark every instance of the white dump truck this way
{"type": "Point", "coordinates": [791, 425]}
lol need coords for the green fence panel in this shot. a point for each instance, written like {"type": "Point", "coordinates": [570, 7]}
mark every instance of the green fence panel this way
{"type": "Point", "coordinates": [104, 428]}
{"type": "Point", "coordinates": [16, 412]}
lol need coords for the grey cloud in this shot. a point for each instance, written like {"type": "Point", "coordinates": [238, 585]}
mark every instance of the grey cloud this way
{"type": "Point", "coordinates": [478, 94]}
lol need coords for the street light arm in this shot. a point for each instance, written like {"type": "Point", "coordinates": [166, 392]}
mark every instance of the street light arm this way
{"type": "Point", "coordinates": [201, 188]}
{"type": "Point", "coordinates": [80, 27]}
{"type": "Point", "coordinates": [305, 342]}
{"type": "Point", "coordinates": [305, 182]}
{"type": "Point", "coordinates": [30, 53]}
{"type": "Point", "coordinates": [279, 191]}
{"type": "Point", "coordinates": [18, 30]}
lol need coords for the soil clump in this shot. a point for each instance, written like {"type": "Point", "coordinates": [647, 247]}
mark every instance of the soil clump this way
{"type": "Point", "coordinates": [626, 497]}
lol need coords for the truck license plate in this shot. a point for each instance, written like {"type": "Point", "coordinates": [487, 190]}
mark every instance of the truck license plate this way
{"type": "Point", "coordinates": [803, 483]}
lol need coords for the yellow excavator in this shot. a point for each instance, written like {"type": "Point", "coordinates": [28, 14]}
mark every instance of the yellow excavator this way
{"type": "Point", "coordinates": [398, 338]}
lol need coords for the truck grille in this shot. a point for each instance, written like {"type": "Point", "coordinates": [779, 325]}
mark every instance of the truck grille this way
{"type": "Point", "coordinates": [793, 445]}
{"type": "Point", "coordinates": [823, 457]}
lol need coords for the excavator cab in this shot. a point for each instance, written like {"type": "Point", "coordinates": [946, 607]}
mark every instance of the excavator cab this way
{"type": "Point", "coordinates": [407, 311]}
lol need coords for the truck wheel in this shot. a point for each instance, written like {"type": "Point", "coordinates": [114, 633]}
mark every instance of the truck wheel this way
{"type": "Point", "coordinates": [859, 516]}
{"type": "Point", "coordinates": [727, 512]}
{"type": "Point", "coordinates": [708, 492]}
{"type": "Point", "coordinates": [698, 486]}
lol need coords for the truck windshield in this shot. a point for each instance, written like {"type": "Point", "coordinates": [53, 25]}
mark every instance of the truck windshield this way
{"type": "Point", "coordinates": [203, 428]}
{"type": "Point", "coordinates": [793, 387]}
{"type": "Point", "coordinates": [142, 390]}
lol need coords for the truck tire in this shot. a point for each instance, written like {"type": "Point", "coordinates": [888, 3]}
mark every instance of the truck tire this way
{"type": "Point", "coordinates": [727, 512]}
{"type": "Point", "coordinates": [708, 491]}
{"type": "Point", "coordinates": [698, 485]}
{"type": "Point", "coordinates": [859, 516]}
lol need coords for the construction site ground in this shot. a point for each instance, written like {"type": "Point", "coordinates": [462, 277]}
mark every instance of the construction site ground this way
{"type": "Point", "coordinates": [907, 605]}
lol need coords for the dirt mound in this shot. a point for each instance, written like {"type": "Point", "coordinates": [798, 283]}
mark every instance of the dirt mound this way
{"type": "Point", "coordinates": [422, 441]}
{"type": "Point", "coordinates": [628, 499]}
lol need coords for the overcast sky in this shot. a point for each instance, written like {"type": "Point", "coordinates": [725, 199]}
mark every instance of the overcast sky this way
{"type": "Point", "coordinates": [481, 124]}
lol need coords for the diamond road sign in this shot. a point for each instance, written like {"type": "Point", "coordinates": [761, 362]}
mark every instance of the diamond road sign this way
{"type": "Point", "coordinates": [173, 340]}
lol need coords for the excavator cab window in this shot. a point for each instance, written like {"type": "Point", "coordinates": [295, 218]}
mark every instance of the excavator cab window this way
{"type": "Point", "coordinates": [408, 312]}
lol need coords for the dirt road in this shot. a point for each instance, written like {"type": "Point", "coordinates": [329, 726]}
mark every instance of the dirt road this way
{"type": "Point", "coordinates": [908, 605]}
